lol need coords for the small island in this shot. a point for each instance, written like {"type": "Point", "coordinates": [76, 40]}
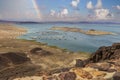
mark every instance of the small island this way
{"type": "Point", "coordinates": [88, 32]}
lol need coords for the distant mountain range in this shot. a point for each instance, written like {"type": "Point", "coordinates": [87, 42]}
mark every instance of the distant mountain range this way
{"type": "Point", "coordinates": [87, 22]}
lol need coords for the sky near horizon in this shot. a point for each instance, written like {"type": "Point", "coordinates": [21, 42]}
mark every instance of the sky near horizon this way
{"type": "Point", "coordinates": [60, 10]}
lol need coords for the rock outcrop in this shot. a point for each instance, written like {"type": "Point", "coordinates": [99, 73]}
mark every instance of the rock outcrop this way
{"type": "Point", "coordinates": [106, 53]}
{"type": "Point", "coordinates": [12, 58]}
{"type": "Point", "coordinates": [104, 64]}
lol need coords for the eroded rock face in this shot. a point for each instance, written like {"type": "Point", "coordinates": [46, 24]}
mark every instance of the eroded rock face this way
{"type": "Point", "coordinates": [106, 53]}
{"type": "Point", "coordinates": [40, 51]}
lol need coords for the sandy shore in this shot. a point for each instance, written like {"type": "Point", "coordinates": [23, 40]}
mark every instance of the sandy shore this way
{"type": "Point", "coordinates": [9, 31]}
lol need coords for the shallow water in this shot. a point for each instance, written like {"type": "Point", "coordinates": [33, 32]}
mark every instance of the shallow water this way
{"type": "Point", "coordinates": [71, 40]}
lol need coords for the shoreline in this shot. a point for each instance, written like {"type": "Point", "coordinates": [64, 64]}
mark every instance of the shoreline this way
{"type": "Point", "coordinates": [20, 45]}
{"type": "Point", "coordinates": [11, 31]}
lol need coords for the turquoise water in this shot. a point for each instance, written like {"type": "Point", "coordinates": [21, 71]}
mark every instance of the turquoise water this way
{"type": "Point", "coordinates": [71, 40]}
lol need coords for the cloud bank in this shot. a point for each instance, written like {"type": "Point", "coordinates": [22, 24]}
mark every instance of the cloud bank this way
{"type": "Point", "coordinates": [61, 14]}
{"type": "Point", "coordinates": [98, 12]}
{"type": "Point", "coordinates": [117, 7]}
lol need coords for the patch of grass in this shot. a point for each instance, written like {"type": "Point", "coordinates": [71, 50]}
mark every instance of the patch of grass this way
{"type": "Point", "coordinates": [34, 41]}
{"type": "Point", "coordinates": [53, 46]}
{"type": "Point", "coordinates": [84, 53]}
{"type": "Point", "coordinates": [65, 50]}
{"type": "Point", "coordinates": [26, 40]}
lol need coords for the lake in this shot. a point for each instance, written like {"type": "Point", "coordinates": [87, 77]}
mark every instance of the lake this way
{"type": "Point", "coordinates": [72, 41]}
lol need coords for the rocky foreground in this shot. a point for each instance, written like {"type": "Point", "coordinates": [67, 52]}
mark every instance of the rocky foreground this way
{"type": "Point", "coordinates": [29, 60]}
{"type": "Point", "coordinates": [104, 64]}
{"type": "Point", "coordinates": [88, 32]}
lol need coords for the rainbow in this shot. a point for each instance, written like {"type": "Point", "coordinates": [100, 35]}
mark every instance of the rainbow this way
{"type": "Point", "coordinates": [36, 8]}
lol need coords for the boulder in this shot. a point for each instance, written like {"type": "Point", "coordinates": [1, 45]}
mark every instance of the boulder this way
{"type": "Point", "coordinates": [116, 76]}
{"type": "Point", "coordinates": [92, 30]}
{"type": "Point", "coordinates": [35, 50]}
{"type": "Point", "coordinates": [40, 51]}
{"type": "Point", "coordinates": [67, 76]}
{"type": "Point", "coordinates": [104, 67]}
{"type": "Point", "coordinates": [116, 45]}
{"type": "Point", "coordinates": [79, 63]}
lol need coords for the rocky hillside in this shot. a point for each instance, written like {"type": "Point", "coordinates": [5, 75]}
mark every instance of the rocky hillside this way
{"type": "Point", "coordinates": [104, 64]}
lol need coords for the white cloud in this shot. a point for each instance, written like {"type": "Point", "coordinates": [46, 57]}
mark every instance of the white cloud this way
{"type": "Point", "coordinates": [102, 14]}
{"type": "Point", "coordinates": [52, 12]}
{"type": "Point", "coordinates": [89, 5]}
{"type": "Point", "coordinates": [117, 7]}
{"type": "Point", "coordinates": [98, 12]}
{"type": "Point", "coordinates": [75, 3]}
{"type": "Point", "coordinates": [61, 14]}
{"type": "Point", "coordinates": [99, 4]}
{"type": "Point", "coordinates": [64, 12]}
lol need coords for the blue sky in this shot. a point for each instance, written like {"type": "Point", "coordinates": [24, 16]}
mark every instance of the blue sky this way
{"type": "Point", "coordinates": [60, 10]}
